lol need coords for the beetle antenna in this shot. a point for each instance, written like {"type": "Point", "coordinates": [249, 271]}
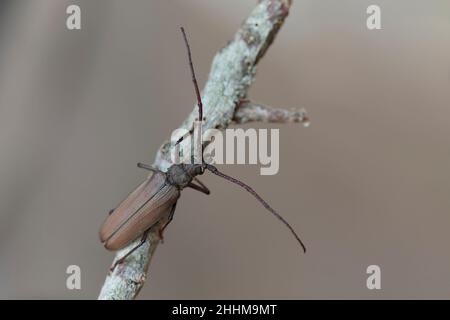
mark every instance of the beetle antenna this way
{"type": "Point", "coordinates": [257, 196]}
{"type": "Point", "coordinates": [197, 90]}
{"type": "Point", "coordinates": [194, 79]}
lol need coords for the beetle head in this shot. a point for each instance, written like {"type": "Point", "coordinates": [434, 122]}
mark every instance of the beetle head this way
{"type": "Point", "coordinates": [181, 175]}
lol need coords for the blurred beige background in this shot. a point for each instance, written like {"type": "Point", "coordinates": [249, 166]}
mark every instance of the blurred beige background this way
{"type": "Point", "coordinates": [367, 183]}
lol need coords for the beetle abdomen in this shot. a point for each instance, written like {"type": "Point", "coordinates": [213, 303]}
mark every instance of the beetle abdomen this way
{"type": "Point", "coordinates": [141, 209]}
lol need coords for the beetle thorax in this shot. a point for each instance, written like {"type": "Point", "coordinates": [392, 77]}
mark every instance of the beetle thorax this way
{"type": "Point", "coordinates": [181, 175]}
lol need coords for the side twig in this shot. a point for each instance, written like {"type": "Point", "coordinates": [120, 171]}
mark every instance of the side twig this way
{"type": "Point", "coordinates": [248, 111]}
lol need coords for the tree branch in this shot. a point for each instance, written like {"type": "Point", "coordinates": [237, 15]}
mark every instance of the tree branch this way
{"type": "Point", "coordinates": [232, 72]}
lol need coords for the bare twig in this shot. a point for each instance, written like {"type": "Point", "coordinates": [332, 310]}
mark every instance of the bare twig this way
{"type": "Point", "coordinates": [248, 111]}
{"type": "Point", "coordinates": [232, 72]}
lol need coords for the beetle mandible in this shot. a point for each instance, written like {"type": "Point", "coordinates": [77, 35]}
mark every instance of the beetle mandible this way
{"type": "Point", "coordinates": [157, 196]}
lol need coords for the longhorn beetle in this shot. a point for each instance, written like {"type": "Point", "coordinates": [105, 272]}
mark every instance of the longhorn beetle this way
{"type": "Point", "coordinates": [157, 196]}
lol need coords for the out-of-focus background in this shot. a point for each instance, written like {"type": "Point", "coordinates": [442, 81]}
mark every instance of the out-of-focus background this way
{"type": "Point", "coordinates": [367, 183]}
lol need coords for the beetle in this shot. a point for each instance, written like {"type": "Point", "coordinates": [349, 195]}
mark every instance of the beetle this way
{"type": "Point", "coordinates": [156, 198]}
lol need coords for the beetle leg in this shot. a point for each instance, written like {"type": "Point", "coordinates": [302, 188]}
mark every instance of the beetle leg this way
{"type": "Point", "coordinates": [111, 211]}
{"type": "Point", "coordinates": [121, 260]}
{"type": "Point", "coordinates": [202, 184]}
{"type": "Point", "coordinates": [201, 187]}
{"type": "Point", "coordinates": [187, 134]}
{"type": "Point", "coordinates": [160, 231]}
{"type": "Point", "coordinates": [147, 167]}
